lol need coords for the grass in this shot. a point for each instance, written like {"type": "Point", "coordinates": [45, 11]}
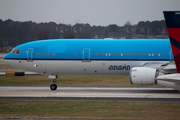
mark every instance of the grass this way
{"type": "Point", "coordinates": [89, 110]}
{"type": "Point", "coordinates": [5, 67]}
{"type": "Point", "coordinates": [112, 81]}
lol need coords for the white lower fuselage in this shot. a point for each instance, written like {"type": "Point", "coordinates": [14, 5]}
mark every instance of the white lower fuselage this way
{"type": "Point", "coordinates": [51, 67]}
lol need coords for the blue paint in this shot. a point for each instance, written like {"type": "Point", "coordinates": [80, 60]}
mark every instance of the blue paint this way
{"type": "Point", "coordinates": [85, 49]}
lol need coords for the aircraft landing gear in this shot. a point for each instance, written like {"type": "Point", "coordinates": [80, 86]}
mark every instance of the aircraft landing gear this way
{"type": "Point", "coordinates": [53, 86]}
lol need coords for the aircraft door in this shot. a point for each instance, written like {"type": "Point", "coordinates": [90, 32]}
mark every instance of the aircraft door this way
{"type": "Point", "coordinates": [30, 54]}
{"type": "Point", "coordinates": [86, 54]}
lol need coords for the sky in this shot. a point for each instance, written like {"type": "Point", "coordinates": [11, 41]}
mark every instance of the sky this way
{"type": "Point", "coordinates": [94, 12]}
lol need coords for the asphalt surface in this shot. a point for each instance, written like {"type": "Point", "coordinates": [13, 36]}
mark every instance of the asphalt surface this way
{"type": "Point", "coordinates": [135, 94]}
{"type": "Point", "coordinates": [91, 99]}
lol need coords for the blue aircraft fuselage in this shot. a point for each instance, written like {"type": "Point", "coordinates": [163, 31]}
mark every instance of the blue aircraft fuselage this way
{"type": "Point", "coordinates": [88, 57]}
{"type": "Point", "coordinates": [95, 50]}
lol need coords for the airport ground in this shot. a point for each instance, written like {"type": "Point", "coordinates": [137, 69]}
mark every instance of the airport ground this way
{"type": "Point", "coordinates": [89, 110]}
{"type": "Point", "coordinates": [24, 107]}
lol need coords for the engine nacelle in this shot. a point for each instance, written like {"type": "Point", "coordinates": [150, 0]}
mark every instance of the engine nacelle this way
{"type": "Point", "coordinates": [143, 76]}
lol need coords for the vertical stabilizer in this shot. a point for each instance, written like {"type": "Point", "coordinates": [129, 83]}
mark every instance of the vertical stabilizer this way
{"type": "Point", "coordinates": [172, 19]}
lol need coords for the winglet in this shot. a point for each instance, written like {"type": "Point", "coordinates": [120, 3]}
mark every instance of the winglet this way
{"type": "Point", "coordinates": [172, 19]}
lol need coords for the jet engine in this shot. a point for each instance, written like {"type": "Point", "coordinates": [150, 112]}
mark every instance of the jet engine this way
{"type": "Point", "coordinates": [143, 76]}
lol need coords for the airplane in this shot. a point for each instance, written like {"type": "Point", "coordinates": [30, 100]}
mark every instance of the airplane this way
{"type": "Point", "coordinates": [147, 61]}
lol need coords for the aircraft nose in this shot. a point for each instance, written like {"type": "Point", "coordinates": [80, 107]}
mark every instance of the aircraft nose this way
{"type": "Point", "coordinates": [6, 58]}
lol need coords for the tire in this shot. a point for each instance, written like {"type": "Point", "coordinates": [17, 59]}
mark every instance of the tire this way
{"type": "Point", "coordinates": [53, 87]}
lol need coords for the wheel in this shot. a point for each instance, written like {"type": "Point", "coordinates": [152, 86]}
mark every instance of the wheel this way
{"type": "Point", "coordinates": [53, 87]}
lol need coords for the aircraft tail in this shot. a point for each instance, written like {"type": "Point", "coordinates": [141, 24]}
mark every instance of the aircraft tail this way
{"type": "Point", "coordinates": [172, 19]}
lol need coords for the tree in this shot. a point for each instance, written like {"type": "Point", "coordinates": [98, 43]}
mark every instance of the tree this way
{"type": "Point", "coordinates": [113, 28]}
{"type": "Point", "coordinates": [69, 35]}
{"type": "Point", "coordinates": [43, 34]}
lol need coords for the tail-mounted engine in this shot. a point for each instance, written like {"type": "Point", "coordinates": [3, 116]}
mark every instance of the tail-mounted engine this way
{"type": "Point", "coordinates": [143, 76]}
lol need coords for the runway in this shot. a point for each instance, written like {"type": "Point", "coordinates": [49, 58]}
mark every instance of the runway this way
{"type": "Point", "coordinates": [143, 94]}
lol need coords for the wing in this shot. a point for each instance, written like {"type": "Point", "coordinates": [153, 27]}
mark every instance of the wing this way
{"type": "Point", "coordinates": [163, 67]}
{"type": "Point", "coordinates": [170, 78]}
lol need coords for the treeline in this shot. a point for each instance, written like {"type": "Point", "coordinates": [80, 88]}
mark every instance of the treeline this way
{"type": "Point", "coordinates": [153, 28]}
{"type": "Point", "coordinates": [13, 33]}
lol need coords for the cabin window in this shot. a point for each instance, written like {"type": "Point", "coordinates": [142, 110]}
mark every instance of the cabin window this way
{"type": "Point", "coordinates": [124, 54]}
{"type": "Point", "coordinates": [149, 54]}
{"type": "Point", "coordinates": [39, 54]}
{"type": "Point", "coordinates": [94, 54]}
{"type": "Point", "coordinates": [109, 54]}
{"type": "Point", "coordinates": [97, 54]}
{"type": "Point", "coordinates": [152, 54]}
{"type": "Point", "coordinates": [100, 54]}
{"type": "Point", "coordinates": [140, 54]}
{"type": "Point", "coordinates": [51, 54]}
{"type": "Point", "coordinates": [42, 54]}
{"type": "Point", "coordinates": [36, 53]}
{"type": "Point", "coordinates": [146, 54]}
{"type": "Point", "coordinates": [156, 54]}
{"type": "Point", "coordinates": [16, 51]}
{"type": "Point", "coordinates": [118, 54]}
{"type": "Point", "coordinates": [137, 54]}
{"type": "Point", "coordinates": [103, 54]}
{"type": "Point", "coordinates": [112, 54]}
{"type": "Point", "coordinates": [165, 54]}
{"type": "Point", "coordinates": [106, 54]}
{"type": "Point", "coordinates": [143, 54]}
{"type": "Point", "coordinates": [115, 54]}
{"type": "Point", "coordinates": [162, 54]}
{"type": "Point", "coordinates": [131, 54]}
{"type": "Point", "coordinates": [121, 54]}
